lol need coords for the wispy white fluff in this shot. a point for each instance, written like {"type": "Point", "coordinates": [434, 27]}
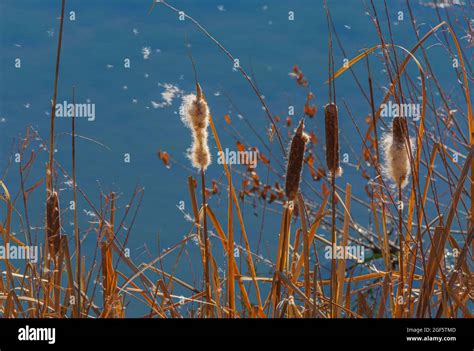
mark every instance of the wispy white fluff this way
{"type": "Point", "coordinates": [146, 52]}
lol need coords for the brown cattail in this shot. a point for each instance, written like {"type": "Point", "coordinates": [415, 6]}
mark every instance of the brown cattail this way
{"type": "Point", "coordinates": [53, 223]}
{"type": "Point", "coordinates": [396, 147]}
{"type": "Point", "coordinates": [295, 161]}
{"type": "Point", "coordinates": [332, 139]}
{"type": "Point", "coordinates": [196, 116]}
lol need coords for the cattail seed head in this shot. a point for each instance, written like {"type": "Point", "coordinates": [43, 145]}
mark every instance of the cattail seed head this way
{"type": "Point", "coordinates": [396, 149]}
{"type": "Point", "coordinates": [53, 223]}
{"type": "Point", "coordinates": [196, 116]}
{"type": "Point", "coordinates": [332, 139]}
{"type": "Point", "coordinates": [295, 161]}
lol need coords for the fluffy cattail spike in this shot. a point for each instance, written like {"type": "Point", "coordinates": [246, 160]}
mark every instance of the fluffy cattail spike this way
{"type": "Point", "coordinates": [295, 161]}
{"type": "Point", "coordinates": [399, 130]}
{"type": "Point", "coordinates": [198, 91]}
{"type": "Point", "coordinates": [332, 138]}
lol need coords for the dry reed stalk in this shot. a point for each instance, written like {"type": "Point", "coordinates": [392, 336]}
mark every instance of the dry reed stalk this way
{"type": "Point", "coordinates": [70, 278]}
{"type": "Point", "coordinates": [385, 245]}
{"type": "Point", "coordinates": [306, 251]}
{"type": "Point", "coordinates": [332, 138]}
{"type": "Point", "coordinates": [332, 162]}
{"type": "Point", "coordinates": [311, 235]}
{"type": "Point", "coordinates": [207, 246]}
{"type": "Point", "coordinates": [450, 217]}
{"type": "Point", "coordinates": [6, 232]}
{"type": "Point", "coordinates": [341, 265]}
{"type": "Point", "coordinates": [194, 203]}
{"type": "Point", "coordinates": [402, 243]}
{"type": "Point", "coordinates": [240, 68]}
{"type": "Point", "coordinates": [230, 256]}
{"type": "Point", "coordinates": [385, 293]}
{"type": "Point", "coordinates": [227, 246]}
{"type": "Point", "coordinates": [434, 262]}
{"type": "Point", "coordinates": [400, 71]}
{"type": "Point", "coordinates": [216, 285]}
{"type": "Point", "coordinates": [196, 117]}
{"type": "Point", "coordinates": [111, 298]}
{"type": "Point", "coordinates": [420, 134]}
{"type": "Point", "coordinates": [293, 310]}
{"type": "Point", "coordinates": [295, 161]}
{"type": "Point", "coordinates": [296, 243]}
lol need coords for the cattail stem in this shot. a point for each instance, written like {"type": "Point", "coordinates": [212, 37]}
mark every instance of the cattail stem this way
{"type": "Point", "coordinates": [332, 161]}
{"type": "Point", "coordinates": [306, 249]}
{"type": "Point", "coordinates": [53, 225]}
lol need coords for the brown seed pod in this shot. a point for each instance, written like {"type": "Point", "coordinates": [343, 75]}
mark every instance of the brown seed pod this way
{"type": "Point", "coordinates": [53, 223]}
{"type": "Point", "coordinates": [332, 139]}
{"type": "Point", "coordinates": [295, 161]}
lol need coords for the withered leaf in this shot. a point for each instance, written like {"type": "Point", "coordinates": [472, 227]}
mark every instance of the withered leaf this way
{"type": "Point", "coordinates": [165, 157]}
